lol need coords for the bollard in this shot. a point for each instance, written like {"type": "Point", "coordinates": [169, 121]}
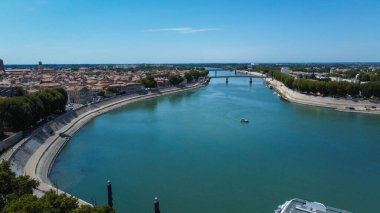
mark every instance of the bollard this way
{"type": "Point", "coordinates": [109, 193]}
{"type": "Point", "coordinates": [156, 205]}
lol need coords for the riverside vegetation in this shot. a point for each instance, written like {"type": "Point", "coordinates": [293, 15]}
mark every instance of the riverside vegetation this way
{"type": "Point", "coordinates": [16, 196]}
{"type": "Point", "coordinates": [21, 112]}
{"type": "Point", "coordinates": [175, 79]}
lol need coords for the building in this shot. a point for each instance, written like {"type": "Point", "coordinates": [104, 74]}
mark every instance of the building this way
{"type": "Point", "coordinates": [40, 67]}
{"type": "Point", "coordinates": [79, 95]}
{"type": "Point", "coordinates": [285, 70]}
{"type": "Point", "coordinates": [2, 65]}
{"type": "Point", "coordinates": [20, 72]}
{"type": "Point", "coordinates": [127, 88]}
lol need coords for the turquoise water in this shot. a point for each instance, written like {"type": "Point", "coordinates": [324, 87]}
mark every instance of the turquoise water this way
{"type": "Point", "coordinates": [191, 151]}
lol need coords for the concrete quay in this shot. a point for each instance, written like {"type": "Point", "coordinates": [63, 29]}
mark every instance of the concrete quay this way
{"type": "Point", "coordinates": [35, 154]}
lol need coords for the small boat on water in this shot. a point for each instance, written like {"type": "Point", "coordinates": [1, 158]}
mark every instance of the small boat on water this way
{"type": "Point", "coordinates": [244, 120]}
{"type": "Point", "coordinates": [298, 205]}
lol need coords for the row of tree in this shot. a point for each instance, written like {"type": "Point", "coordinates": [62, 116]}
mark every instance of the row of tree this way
{"type": "Point", "coordinates": [22, 112]}
{"type": "Point", "coordinates": [16, 195]}
{"type": "Point", "coordinates": [310, 69]}
{"type": "Point", "coordinates": [329, 88]}
{"type": "Point", "coordinates": [194, 75]}
{"type": "Point", "coordinates": [369, 76]}
{"type": "Point", "coordinates": [175, 79]}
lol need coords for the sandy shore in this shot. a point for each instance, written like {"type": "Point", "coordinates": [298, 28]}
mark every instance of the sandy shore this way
{"type": "Point", "coordinates": [40, 163]}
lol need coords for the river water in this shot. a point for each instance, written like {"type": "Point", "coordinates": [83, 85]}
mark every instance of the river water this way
{"type": "Point", "coordinates": [192, 151]}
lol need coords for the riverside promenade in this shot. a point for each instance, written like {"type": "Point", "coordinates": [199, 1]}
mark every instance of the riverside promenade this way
{"type": "Point", "coordinates": [35, 154]}
{"type": "Point", "coordinates": [339, 104]}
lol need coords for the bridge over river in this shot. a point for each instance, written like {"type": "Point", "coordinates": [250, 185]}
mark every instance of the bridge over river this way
{"type": "Point", "coordinates": [236, 75]}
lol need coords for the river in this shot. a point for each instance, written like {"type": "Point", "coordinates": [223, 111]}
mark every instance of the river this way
{"type": "Point", "coordinates": [192, 151]}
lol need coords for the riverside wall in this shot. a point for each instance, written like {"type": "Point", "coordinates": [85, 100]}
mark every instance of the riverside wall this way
{"type": "Point", "coordinates": [10, 141]}
{"type": "Point", "coordinates": [35, 154]}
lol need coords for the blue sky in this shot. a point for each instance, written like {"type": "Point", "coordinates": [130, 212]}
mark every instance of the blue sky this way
{"type": "Point", "coordinates": [176, 31]}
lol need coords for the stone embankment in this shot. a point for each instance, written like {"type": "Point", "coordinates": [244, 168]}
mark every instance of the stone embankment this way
{"type": "Point", "coordinates": [35, 154]}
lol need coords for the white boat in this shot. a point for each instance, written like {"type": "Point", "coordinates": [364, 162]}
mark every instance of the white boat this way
{"type": "Point", "coordinates": [298, 206]}
{"type": "Point", "coordinates": [244, 120]}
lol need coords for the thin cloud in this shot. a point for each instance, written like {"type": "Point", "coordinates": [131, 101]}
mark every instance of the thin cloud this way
{"type": "Point", "coordinates": [184, 30]}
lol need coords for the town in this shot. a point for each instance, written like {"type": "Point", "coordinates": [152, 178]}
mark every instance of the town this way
{"type": "Point", "coordinates": [90, 83]}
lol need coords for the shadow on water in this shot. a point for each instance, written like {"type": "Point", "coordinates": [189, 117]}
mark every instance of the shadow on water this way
{"type": "Point", "coordinates": [176, 98]}
{"type": "Point", "coordinates": [149, 105]}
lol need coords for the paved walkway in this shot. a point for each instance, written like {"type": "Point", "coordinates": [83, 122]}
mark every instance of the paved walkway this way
{"type": "Point", "coordinates": [339, 104]}
{"type": "Point", "coordinates": [39, 164]}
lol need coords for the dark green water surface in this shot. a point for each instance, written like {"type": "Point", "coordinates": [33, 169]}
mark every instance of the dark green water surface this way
{"type": "Point", "coordinates": [191, 151]}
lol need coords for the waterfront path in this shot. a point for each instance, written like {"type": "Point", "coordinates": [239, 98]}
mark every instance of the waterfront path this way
{"type": "Point", "coordinates": [40, 162]}
{"type": "Point", "coordinates": [340, 104]}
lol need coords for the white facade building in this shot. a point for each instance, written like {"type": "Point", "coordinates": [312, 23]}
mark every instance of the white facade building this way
{"type": "Point", "coordinates": [285, 70]}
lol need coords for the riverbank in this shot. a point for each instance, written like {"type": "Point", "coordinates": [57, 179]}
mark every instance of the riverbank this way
{"type": "Point", "coordinates": [195, 143]}
{"type": "Point", "coordinates": [40, 162]}
{"type": "Point", "coordinates": [340, 104]}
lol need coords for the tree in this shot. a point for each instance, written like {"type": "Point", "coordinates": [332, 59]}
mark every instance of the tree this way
{"type": "Point", "coordinates": [195, 74]}
{"type": "Point", "coordinates": [37, 106]}
{"type": "Point", "coordinates": [175, 79]}
{"type": "Point", "coordinates": [203, 72]}
{"type": "Point", "coordinates": [51, 202]}
{"type": "Point", "coordinates": [353, 89]}
{"type": "Point", "coordinates": [20, 113]}
{"type": "Point", "coordinates": [331, 88]}
{"type": "Point", "coordinates": [63, 92]}
{"type": "Point", "coordinates": [188, 77]}
{"type": "Point", "coordinates": [58, 203]}
{"type": "Point", "coordinates": [24, 204]}
{"type": "Point", "coordinates": [12, 187]}
{"type": "Point", "coordinates": [149, 82]}
{"type": "Point", "coordinates": [18, 91]}
{"type": "Point", "coordinates": [16, 196]}
{"type": "Point", "coordinates": [370, 89]}
{"type": "Point", "coordinates": [46, 101]}
{"type": "Point", "coordinates": [90, 209]}
{"type": "Point", "coordinates": [112, 90]}
{"type": "Point", "coordinates": [16, 113]}
{"type": "Point", "coordinates": [101, 93]}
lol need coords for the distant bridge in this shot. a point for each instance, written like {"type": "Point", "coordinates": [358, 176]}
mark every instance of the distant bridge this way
{"type": "Point", "coordinates": [232, 76]}
{"type": "Point", "coordinates": [237, 76]}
